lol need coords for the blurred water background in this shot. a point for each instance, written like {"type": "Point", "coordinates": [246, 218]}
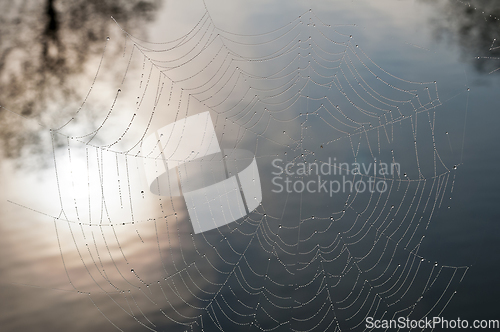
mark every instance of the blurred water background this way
{"type": "Point", "coordinates": [50, 51]}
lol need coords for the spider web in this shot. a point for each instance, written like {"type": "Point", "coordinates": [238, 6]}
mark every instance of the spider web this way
{"type": "Point", "coordinates": [493, 48]}
{"type": "Point", "coordinates": [301, 261]}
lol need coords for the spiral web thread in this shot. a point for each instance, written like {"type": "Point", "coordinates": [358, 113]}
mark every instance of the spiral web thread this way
{"type": "Point", "coordinates": [302, 262]}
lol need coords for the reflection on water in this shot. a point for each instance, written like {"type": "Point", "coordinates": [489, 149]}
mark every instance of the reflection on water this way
{"type": "Point", "coordinates": [105, 253]}
{"type": "Point", "coordinates": [475, 26]}
{"type": "Point", "coordinates": [48, 52]}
